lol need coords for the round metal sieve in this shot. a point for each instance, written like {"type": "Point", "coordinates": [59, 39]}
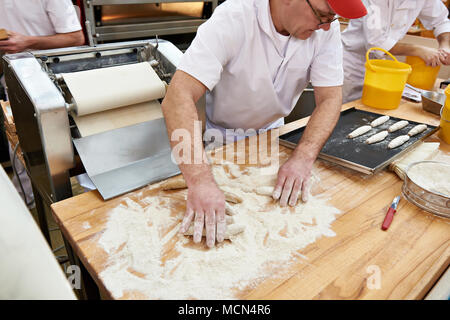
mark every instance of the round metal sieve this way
{"type": "Point", "coordinates": [429, 200]}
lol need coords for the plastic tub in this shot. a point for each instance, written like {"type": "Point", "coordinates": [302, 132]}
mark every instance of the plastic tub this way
{"type": "Point", "coordinates": [422, 76]}
{"type": "Point", "coordinates": [384, 81]}
{"type": "Point", "coordinates": [445, 118]}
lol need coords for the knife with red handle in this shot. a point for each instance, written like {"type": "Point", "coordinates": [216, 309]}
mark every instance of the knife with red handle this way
{"type": "Point", "coordinates": [390, 214]}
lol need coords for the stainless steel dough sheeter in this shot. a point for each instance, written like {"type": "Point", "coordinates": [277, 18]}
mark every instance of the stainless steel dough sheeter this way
{"type": "Point", "coordinates": [117, 161]}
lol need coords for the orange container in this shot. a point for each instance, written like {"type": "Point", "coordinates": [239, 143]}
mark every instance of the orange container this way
{"type": "Point", "coordinates": [445, 118]}
{"type": "Point", "coordinates": [422, 76]}
{"type": "Point", "coordinates": [384, 81]}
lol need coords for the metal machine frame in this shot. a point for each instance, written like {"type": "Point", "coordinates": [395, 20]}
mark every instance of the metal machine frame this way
{"type": "Point", "coordinates": [40, 106]}
{"type": "Point", "coordinates": [97, 33]}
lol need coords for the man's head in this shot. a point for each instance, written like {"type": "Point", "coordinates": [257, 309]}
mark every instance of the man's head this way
{"type": "Point", "coordinates": [300, 18]}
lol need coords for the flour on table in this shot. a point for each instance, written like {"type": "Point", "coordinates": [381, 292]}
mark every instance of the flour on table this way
{"type": "Point", "coordinates": [137, 238]}
{"type": "Point", "coordinates": [86, 225]}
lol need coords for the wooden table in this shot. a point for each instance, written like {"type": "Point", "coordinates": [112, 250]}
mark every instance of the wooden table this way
{"type": "Point", "coordinates": [410, 256]}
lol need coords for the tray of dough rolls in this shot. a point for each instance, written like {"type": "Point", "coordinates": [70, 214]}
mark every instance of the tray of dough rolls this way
{"type": "Point", "coordinates": [355, 152]}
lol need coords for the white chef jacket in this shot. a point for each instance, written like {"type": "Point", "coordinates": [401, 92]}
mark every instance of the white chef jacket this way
{"type": "Point", "coordinates": [254, 75]}
{"type": "Point", "coordinates": [386, 23]}
{"type": "Point", "coordinates": [38, 17]}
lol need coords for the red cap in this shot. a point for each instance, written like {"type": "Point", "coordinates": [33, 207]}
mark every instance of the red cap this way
{"type": "Point", "coordinates": [350, 9]}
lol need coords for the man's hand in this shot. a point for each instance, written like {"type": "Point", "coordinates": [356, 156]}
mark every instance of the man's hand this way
{"type": "Point", "coordinates": [15, 43]}
{"type": "Point", "coordinates": [431, 56]}
{"type": "Point", "coordinates": [293, 178]}
{"type": "Point", "coordinates": [445, 56]}
{"type": "Point", "coordinates": [206, 206]}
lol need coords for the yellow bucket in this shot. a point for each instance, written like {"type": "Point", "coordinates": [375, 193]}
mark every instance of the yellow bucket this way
{"type": "Point", "coordinates": [445, 118]}
{"type": "Point", "coordinates": [422, 76]}
{"type": "Point", "coordinates": [384, 81]}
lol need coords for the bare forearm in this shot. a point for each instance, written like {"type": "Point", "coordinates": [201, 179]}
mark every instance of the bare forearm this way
{"type": "Point", "coordinates": [320, 126]}
{"type": "Point", "coordinates": [444, 40]}
{"type": "Point", "coordinates": [431, 56]}
{"type": "Point", "coordinates": [55, 41]}
{"type": "Point", "coordinates": [181, 114]}
{"type": "Point", "coordinates": [405, 49]}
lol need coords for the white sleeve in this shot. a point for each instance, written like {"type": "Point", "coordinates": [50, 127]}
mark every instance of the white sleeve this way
{"type": "Point", "coordinates": [434, 15]}
{"type": "Point", "coordinates": [326, 68]}
{"type": "Point", "coordinates": [63, 16]}
{"type": "Point", "coordinates": [217, 41]}
{"type": "Point", "coordinates": [376, 26]}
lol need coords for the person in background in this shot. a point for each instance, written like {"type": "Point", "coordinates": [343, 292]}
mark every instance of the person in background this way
{"type": "Point", "coordinates": [386, 23]}
{"type": "Point", "coordinates": [36, 25]}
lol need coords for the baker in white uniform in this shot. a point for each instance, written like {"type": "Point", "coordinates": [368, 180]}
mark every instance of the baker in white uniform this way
{"type": "Point", "coordinates": [37, 25]}
{"type": "Point", "coordinates": [253, 58]}
{"type": "Point", "coordinates": [386, 23]}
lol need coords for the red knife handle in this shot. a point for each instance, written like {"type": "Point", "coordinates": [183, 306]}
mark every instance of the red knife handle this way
{"type": "Point", "coordinates": [388, 219]}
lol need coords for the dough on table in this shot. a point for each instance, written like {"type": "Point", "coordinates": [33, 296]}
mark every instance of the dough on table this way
{"type": "Point", "coordinates": [235, 172]}
{"type": "Point", "coordinates": [232, 197]}
{"type": "Point", "coordinates": [174, 184]}
{"type": "Point", "coordinates": [265, 191]}
{"type": "Point", "coordinates": [230, 210]}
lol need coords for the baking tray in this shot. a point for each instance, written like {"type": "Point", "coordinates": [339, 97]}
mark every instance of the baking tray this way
{"type": "Point", "coordinates": [354, 153]}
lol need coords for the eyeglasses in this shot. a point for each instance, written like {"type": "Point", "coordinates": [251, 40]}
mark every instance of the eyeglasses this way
{"type": "Point", "coordinates": [322, 23]}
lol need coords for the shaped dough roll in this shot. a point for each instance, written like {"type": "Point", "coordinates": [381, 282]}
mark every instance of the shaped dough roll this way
{"type": "Point", "coordinates": [265, 191]}
{"type": "Point", "coordinates": [379, 121]}
{"type": "Point", "coordinates": [397, 142]}
{"type": "Point", "coordinates": [380, 136]}
{"type": "Point", "coordinates": [230, 210]}
{"type": "Point", "coordinates": [232, 197]}
{"type": "Point", "coordinates": [417, 129]}
{"type": "Point", "coordinates": [360, 131]}
{"type": "Point", "coordinates": [398, 125]}
{"type": "Point", "coordinates": [174, 184]}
